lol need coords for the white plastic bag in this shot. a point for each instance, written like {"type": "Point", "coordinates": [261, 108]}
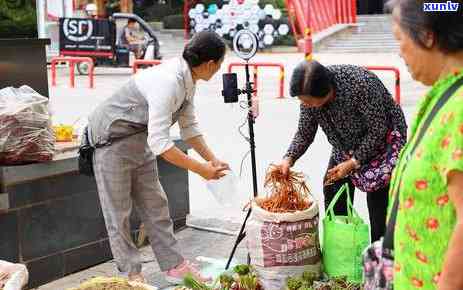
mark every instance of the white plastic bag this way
{"type": "Point", "coordinates": [26, 134]}
{"type": "Point", "coordinates": [16, 275]}
{"type": "Point", "coordinates": [225, 189]}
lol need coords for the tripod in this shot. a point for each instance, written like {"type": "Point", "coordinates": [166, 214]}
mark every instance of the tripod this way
{"type": "Point", "coordinates": [242, 234]}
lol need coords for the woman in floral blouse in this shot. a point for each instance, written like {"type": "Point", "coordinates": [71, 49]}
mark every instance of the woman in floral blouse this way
{"type": "Point", "coordinates": [428, 236]}
{"type": "Point", "coordinates": [359, 117]}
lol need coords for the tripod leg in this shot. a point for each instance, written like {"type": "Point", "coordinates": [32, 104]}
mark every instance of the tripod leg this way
{"type": "Point", "coordinates": [240, 237]}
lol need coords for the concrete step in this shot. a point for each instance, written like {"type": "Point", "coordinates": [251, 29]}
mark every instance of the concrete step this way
{"type": "Point", "coordinates": [361, 38]}
{"type": "Point", "coordinates": [364, 37]}
{"type": "Point", "coordinates": [372, 30]}
{"type": "Point", "coordinates": [363, 41]}
{"type": "Point", "coordinates": [373, 33]}
{"type": "Point", "coordinates": [353, 46]}
{"type": "Point", "coordinates": [359, 49]}
{"type": "Point", "coordinates": [373, 17]}
{"type": "Point", "coordinates": [368, 40]}
{"type": "Point", "coordinates": [321, 50]}
{"type": "Point", "coordinates": [385, 34]}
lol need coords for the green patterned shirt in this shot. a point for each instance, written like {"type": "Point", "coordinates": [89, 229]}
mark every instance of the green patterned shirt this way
{"type": "Point", "coordinates": [426, 216]}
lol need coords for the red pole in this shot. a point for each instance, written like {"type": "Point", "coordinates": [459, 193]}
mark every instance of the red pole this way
{"type": "Point", "coordinates": [325, 6]}
{"type": "Point", "coordinates": [349, 11]}
{"type": "Point", "coordinates": [90, 75]}
{"type": "Point", "coordinates": [346, 11]}
{"type": "Point", "coordinates": [308, 33]}
{"type": "Point", "coordinates": [255, 81]}
{"type": "Point", "coordinates": [71, 72]}
{"type": "Point", "coordinates": [332, 12]}
{"type": "Point", "coordinates": [335, 9]}
{"type": "Point", "coordinates": [354, 11]}
{"type": "Point", "coordinates": [338, 14]}
{"type": "Point", "coordinates": [291, 16]}
{"type": "Point", "coordinates": [282, 81]}
{"type": "Point", "coordinates": [299, 9]}
{"type": "Point", "coordinates": [397, 78]}
{"type": "Point", "coordinates": [53, 72]}
{"type": "Point", "coordinates": [317, 15]}
{"type": "Point", "coordinates": [324, 13]}
{"type": "Point", "coordinates": [341, 16]}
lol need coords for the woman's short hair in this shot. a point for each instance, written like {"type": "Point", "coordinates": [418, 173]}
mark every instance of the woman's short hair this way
{"type": "Point", "coordinates": [310, 78]}
{"type": "Point", "coordinates": [203, 47]}
{"type": "Point", "coordinates": [415, 21]}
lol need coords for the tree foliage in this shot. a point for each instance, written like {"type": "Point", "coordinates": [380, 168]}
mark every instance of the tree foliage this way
{"type": "Point", "coordinates": [18, 19]}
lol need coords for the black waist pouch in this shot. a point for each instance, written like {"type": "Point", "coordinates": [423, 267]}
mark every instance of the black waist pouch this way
{"type": "Point", "coordinates": [86, 151]}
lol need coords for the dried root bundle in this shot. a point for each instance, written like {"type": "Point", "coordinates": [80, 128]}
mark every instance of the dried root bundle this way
{"type": "Point", "coordinates": [287, 193]}
{"type": "Point", "coordinates": [108, 283]}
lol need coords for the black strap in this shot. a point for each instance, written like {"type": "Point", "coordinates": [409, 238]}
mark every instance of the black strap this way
{"type": "Point", "coordinates": [388, 242]}
{"type": "Point", "coordinates": [111, 140]}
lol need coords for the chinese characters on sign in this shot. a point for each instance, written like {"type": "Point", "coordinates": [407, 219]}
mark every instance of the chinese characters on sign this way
{"type": "Point", "coordinates": [291, 244]}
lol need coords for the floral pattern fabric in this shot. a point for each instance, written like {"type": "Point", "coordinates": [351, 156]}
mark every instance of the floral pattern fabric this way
{"type": "Point", "coordinates": [376, 174]}
{"type": "Point", "coordinates": [357, 120]}
{"type": "Point", "coordinates": [426, 216]}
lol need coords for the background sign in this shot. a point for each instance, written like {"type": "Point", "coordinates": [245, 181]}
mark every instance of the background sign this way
{"type": "Point", "coordinates": [87, 34]}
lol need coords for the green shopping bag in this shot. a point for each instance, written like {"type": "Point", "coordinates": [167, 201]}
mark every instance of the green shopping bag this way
{"type": "Point", "coordinates": [344, 239]}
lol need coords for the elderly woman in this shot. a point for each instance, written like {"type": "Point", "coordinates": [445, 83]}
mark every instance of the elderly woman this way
{"type": "Point", "coordinates": [363, 123]}
{"type": "Point", "coordinates": [428, 235]}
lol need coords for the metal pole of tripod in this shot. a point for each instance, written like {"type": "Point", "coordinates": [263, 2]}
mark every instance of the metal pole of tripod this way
{"type": "Point", "coordinates": [242, 234]}
{"type": "Point", "coordinates": [249, 88]}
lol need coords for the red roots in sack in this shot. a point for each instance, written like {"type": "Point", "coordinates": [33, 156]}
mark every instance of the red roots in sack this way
{"type": "Point", "coordinates": [287, 193]}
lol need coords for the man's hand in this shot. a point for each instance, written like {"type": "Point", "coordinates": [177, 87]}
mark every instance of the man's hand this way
{"type": "Point", "coordinates": [208, 171]}
{"type": "Point", "coordinates": [340, 171]}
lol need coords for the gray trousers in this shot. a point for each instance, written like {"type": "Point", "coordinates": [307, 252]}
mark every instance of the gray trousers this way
{"type": "Point", "coordinates": [127, 175]}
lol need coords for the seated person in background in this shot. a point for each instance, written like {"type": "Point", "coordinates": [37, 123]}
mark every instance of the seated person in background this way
{"type": "Point", "coordinates": [131, 39]}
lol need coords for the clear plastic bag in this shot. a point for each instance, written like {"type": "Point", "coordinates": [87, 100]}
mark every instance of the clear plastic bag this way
{"type": "Point", "coordinates": [14, 276]}
{"type": "Point", "coordinates": [225, 190]}
{"type": "Point", "coordinates": [26, 133]}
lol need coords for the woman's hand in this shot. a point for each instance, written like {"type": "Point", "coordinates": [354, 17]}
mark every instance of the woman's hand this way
{"type": "Point", "coordinates": [209, 171]}
{"type": "Point", "coordinates": [340, 171]}
{"type": "Point", "coordinates": [219, 163]}
{"type": "Point", "coordinates": [285, 165]}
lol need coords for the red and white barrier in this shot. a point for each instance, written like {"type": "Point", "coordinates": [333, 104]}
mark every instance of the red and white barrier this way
{"type": "Point", "coordinates": [397, 78]}
{"type": "Point", "coordinates": [72, 60]}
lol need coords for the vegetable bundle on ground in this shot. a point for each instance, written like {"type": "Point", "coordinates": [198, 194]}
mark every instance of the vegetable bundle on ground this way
{"type": "Point", "coordinates": [243, 277]}
{"type": "Point", "coordinates": [110, 283]}
{"type": "Point", "coordinates": [282, 233]}
{"type": "Point", "coordinates": [308, 281]}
